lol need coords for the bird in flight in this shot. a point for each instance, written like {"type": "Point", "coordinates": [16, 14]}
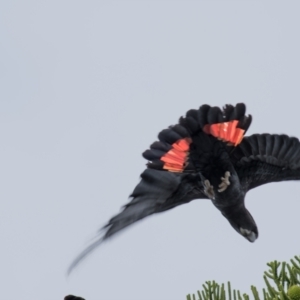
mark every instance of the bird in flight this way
{"type": "Point", "coordinates": [207, 156]}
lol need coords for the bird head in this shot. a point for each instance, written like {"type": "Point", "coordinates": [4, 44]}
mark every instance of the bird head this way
{"type": "Point", "coordinates": [242, 221]}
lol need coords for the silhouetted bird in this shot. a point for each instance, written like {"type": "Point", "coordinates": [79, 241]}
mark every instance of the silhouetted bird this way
{"type": "Point", "coordinates": [71, 297]}
{"type": "Point", "coordinates": [206, 156]}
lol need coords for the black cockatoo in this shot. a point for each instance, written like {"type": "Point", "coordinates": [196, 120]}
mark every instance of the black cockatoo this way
{"type": "Point", "coordinates": [207, 156]}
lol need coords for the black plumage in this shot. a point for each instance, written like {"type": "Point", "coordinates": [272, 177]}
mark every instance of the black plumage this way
{"type": "Point", "coordinates": [71, 297]}
{"type": "Point", "coordinates": [206, 156]}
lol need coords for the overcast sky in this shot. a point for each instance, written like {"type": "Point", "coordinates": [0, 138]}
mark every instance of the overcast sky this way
{"type": "Point", "coordinates": [85, 86]}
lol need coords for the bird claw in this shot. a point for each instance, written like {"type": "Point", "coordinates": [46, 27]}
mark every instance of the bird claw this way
{"type": "Point", "coordinates": [209, 189]}
{"type": "Point", "coordinates": [225, 182]}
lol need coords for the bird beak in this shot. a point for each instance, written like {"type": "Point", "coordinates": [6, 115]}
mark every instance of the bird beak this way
{"type": "Point", "coordinates": [249, 235]}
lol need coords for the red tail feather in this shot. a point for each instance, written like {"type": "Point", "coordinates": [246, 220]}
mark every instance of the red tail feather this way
{"type": "Point", "coordinates": [226, 131]}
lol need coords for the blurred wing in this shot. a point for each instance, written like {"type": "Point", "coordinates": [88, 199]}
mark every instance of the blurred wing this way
{"type": "Point", "coordinates": [265, 158]}
{"type": "Point", "coordinates": [157, 191]}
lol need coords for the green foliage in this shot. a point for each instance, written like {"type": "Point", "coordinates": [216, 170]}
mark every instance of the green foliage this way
{"type": "Point", "coordinates": [282, 283]}
{"type": "Point", "coordinates": [294, 292]}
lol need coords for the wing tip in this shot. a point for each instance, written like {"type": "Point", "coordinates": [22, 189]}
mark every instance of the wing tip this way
{"type": "Point", "coordinates": [83, 255]}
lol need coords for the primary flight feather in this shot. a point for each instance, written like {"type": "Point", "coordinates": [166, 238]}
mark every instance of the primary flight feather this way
{"type": "Point", "coordinates": [207, 156]}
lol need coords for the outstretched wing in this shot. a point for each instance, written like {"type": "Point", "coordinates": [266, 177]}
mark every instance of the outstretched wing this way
{"type": "Point", "coordinates": [157, 191]}
{"type": "Point", "coordinates": [265, 158]}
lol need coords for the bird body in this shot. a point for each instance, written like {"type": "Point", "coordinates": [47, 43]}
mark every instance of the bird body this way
{"type": "Point", "coordinates": [207, 156]}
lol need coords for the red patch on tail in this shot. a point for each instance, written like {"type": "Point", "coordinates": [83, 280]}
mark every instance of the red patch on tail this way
{"type": "Point", "coordinates": [175, 159]}
{"type": "Point", "coordinates": [226, 131]}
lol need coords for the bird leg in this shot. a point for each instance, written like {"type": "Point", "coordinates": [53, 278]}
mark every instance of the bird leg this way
{"type": "Point", "coordinates": [208, 189]}
{"type": "Point", "coordinates": [224, 182]}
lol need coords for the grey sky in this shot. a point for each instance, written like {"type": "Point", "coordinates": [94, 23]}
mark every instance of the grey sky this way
{"type": "Point", "coordinates": [85, 86]}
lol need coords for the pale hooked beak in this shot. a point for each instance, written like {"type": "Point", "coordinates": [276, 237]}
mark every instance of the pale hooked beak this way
{"type": "Point", "coordinates": [248, 234]}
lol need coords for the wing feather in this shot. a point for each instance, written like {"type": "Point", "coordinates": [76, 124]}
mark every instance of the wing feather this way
{"type": "Point", "coordinates": [157, 191]}
{"type": "Point", "coordinates": [265, 158]}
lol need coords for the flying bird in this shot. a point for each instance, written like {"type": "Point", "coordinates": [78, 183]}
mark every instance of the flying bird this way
{"type": "Point", "coordinates": [207, 156]}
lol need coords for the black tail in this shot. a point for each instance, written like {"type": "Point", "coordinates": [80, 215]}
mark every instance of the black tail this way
{"type": "Point", "coordinates": [171, 152]}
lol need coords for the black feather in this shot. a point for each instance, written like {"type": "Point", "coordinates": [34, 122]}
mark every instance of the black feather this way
{"type": "Point", "coordinates": [214, 115]}
{"type": "Point", "coordinates": [190, 124]}
{"type": "Point", "coordinates": [169, 136]}
{"type": "Point", "coordinates": [155, 164]}
{"type": "Point", "coordinates": [153, 154]}
{"type": "Point", "coordinates": [202, 115]}
{"type": "Point", "coordinates": [180, 130]}
{"type": "Point", "coordinates": [227, 111]}
{"type": "Point", "coordinates": [245, 122]}
{"type": "Point", "coordinates": [238, 112]}
{"type": "Point", "coordinates": [193, 113]}
{"type": "Point", "coordinates": [161, 146]}
{"type": "Point", "coordinates": [157, 191]}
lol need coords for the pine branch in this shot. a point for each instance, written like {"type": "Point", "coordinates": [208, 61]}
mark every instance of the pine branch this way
{"type": "Point", "coordinates": [282, 283]}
